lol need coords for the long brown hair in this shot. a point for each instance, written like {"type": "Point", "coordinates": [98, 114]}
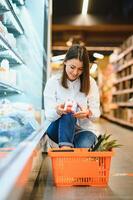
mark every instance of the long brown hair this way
{"type": "Point", "coordinates": [78, 52]}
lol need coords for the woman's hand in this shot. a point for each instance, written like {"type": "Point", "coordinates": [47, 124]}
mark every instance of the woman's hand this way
{"type": "Point", "coordinates": [83, 113]}
{"type": "Point", "coordinates": [60, 109]}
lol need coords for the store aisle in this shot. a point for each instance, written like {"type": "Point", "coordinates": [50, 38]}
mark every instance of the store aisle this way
{"type": "Point", "coordinates": [121, 177]}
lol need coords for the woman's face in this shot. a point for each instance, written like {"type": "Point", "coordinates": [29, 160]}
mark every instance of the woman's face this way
{"type": "Point", "coordinates": [74, 68]}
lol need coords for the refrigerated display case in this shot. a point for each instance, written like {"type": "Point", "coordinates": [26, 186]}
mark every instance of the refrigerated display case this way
{"type": "Point", "coordinates": [18, 164]}
{"type": "Point", "coordinates": [27, 54]}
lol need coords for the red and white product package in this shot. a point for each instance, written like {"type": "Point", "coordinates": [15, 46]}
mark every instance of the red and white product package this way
{"type": "Point", "coordinates": [70, 106]}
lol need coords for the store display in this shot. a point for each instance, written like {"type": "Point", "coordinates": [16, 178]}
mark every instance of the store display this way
{"type": "Point", "coordinates": [20, 133]}
{"type": "Point", "coordinates": [10, 23]}
{"type": "Point", "coordinates": [7, 75]}
{"type": "Point", "coordinates": [10, 19]}
{"type": "Point", "coordinates": [14, 130]}
{"type": "Point", "coordinates": [19, 2]}
{"type": "Point", "coordinates": [6, 89]}
{"type": "Point", "coordinates": [11, 51]}
{"type": "Point", "coordinates": [8, 36]}
{"type": "Point", "coordinates": [3, 7]}
{"type": "Point", "coordinates": [123, 94]}
{"type": "Point", "coordinates": [106, 79]}
{"type": "Point", "coordinates": [17, 122]}
{"type": "Point", "coordinates": [8, 56]}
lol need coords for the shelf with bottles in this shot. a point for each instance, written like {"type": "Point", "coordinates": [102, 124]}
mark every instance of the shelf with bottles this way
{"type": "Point", "coordinates": [6, 89]}
{"type": "Point", "coordinates": [124, 91]}
{"type": "Point", "coordinates": [124, 63]}
{"type": "Point", "coordinates": [127, 64]}
{"type": "Point", "coordinates": [123, 54]}
{"type": "Point", "coordinates": [11, 20]}
{"type": "Point", "coordinates": [122, 95]}
{"type": "Point", "coordinates": [123, 99]}
{"type": "Point", "coordinates": [126, 69]}
{"type": "Point", "coordinates": [126, 78]}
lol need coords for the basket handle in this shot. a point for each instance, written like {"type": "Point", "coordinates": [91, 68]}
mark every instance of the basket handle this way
{"type": "Point", "coordinates": [63, 150]}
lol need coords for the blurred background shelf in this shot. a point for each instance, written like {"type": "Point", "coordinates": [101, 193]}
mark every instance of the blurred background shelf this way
{"type": "Point", "coordinates": [124, 79]}
{"type": "Point", "coordinates": [119, 121]}
{"type": "Point", "coordinates": [125, 104]}
{"type": "Point", "coordinates": [123, 91]}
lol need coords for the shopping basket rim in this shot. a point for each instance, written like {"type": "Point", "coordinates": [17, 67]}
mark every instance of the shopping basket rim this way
{"type": "Point", "coordinates": [78, 152]}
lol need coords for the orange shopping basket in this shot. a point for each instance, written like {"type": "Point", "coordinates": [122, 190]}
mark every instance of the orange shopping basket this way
{"type": "Point", "coordinates": [78, 166]}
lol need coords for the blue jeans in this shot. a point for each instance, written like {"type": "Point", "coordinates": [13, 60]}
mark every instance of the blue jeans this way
{"type": "Point", "coordinates": [63, 132]}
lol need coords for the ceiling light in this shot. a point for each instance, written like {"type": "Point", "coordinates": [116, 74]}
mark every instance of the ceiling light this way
{"type": "Point", "coordinates": [85, 7]}
{"type": "Point", "coordinates": [98, 55]}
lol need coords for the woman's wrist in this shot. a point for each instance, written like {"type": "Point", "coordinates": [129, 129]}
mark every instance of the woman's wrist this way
{"type": "Point", "coordinates": [59, 112]}
{"type": "Point", "coordinates": [88, 114]}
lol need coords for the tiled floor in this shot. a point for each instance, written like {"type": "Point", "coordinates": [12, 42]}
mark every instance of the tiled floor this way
{"type": "Point", "coordinates": [121, 174]}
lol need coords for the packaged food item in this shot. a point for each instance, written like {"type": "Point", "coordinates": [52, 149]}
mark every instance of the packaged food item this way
{"type": "Point", "coordinates": [70, 106]}
{"type": "Point", "coordinates": [5, 65]}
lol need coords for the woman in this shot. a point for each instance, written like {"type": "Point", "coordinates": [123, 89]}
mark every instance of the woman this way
{"type": "Point", "coordinates": [65, 127]}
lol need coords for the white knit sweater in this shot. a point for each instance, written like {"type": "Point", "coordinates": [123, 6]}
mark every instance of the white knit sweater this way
{"type": "Point", "coordinates": [55, 94]}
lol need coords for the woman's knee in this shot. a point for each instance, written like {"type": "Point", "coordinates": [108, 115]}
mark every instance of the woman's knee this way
{"type": "Point", "coordinates": [85, 139]}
